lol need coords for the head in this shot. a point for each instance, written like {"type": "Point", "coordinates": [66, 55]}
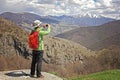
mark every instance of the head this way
{"type": "Point", "coordinates": [37, 23]}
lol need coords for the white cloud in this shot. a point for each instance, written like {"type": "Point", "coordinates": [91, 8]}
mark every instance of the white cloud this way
{"type": "Point", "coordinates": [14, 1]}
{"type": "Point", "coordinates": [60, 7]}
{"type": "Point", "coordinates": [104, 2]}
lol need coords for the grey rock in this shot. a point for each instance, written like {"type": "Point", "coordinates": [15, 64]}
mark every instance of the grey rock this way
{"type": "Point", "coordinates": [24, 75]}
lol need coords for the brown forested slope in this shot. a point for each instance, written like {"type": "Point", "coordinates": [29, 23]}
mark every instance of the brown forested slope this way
{"type": "Point", "coordinates": [88, 36]}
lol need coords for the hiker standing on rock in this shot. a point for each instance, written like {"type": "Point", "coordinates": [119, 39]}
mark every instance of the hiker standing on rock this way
{"type": "Point", "coordinates": [36, 42]}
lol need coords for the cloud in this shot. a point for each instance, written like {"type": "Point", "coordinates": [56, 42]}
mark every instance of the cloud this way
{"type": "Point", "coordinates": [2, 5]}
{"type": "Point", "coordinates": [104, 2]}
{"type": "Point", "coordinates": [46, 1]}
{"type": "Point", "coordinates": [61, 7]}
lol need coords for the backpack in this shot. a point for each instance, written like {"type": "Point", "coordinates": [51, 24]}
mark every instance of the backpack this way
{"type": "Point", "coordinates": [33, 40]}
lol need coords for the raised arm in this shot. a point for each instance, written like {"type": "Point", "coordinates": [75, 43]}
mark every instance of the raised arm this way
{"type": "Point", "coordinates": [42, 32]}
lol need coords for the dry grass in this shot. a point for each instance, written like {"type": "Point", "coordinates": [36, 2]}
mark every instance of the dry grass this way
{"type": "Point", "coordinates": [13, 62]}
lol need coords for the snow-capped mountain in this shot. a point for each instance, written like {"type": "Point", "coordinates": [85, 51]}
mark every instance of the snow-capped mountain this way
{"type": "Point", "coordinates": [87, 15]}
{"type": "Point", "coordinates": [116, 17]}
{"type": "Point", "coordinates": [83, 19]}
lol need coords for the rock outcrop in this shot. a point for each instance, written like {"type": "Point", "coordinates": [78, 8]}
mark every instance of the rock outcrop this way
{"type": "Point", "coordinates": [13, 39]}
{"type": "Point", "coordinates": [24, 75]}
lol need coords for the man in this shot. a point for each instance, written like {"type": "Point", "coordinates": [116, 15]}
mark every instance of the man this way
{"type": "Point", "coordinates": [38, 53]}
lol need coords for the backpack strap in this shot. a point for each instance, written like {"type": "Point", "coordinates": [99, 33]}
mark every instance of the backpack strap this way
{"type": "Point", "coordinates": [34, 30]}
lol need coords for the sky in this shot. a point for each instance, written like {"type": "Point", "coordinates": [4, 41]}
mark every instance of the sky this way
{"type": "Point", "coordinates": [108, 8]}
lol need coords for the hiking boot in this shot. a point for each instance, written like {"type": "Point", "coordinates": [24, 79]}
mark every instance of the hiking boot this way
{"type": "Point", "coordinates": [32, 76]}
{"type": "Point", "coordinates": [41, 77]}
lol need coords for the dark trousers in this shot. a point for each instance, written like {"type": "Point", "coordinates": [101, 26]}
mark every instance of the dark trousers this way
{"type": "Point", "coordinates": [36, 62]}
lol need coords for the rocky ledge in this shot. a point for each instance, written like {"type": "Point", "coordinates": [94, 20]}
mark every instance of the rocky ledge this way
{"type": "Point", "coordinates": [24, 75]}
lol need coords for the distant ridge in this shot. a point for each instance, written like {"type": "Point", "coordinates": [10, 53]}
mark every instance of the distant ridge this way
{"type": "Point", "coordinates": [26, 17]}
{"type": "Point", "coordinates": [59, 24]}
{"type": "Point", "coordinates": [25, 20]}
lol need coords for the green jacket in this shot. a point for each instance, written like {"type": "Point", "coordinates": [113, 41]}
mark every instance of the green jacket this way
{"type": "Point", "coordinates": [42, 32]}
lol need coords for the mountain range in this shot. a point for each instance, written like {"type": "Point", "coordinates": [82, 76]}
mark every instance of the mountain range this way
{"type": "Point", "coordinates": [82, 20]}
{"type": "Point", "coordinates": [97, 37]}
{"type": "Point", "coordinates": [59, 24]}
